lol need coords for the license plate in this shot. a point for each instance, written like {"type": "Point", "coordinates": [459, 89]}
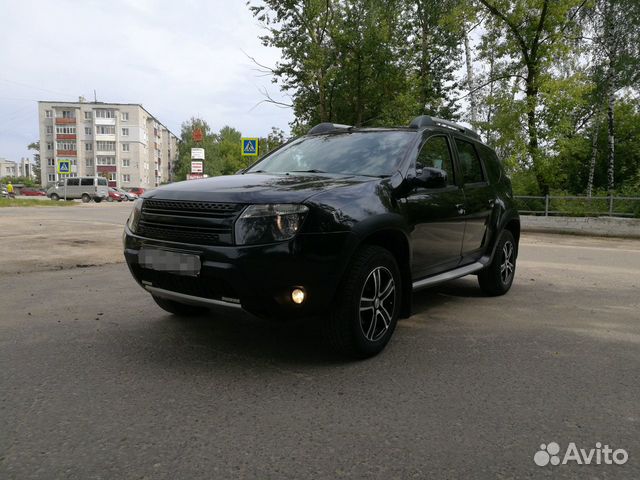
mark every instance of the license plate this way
{"type": "Point", "coordinates": [168, 261]}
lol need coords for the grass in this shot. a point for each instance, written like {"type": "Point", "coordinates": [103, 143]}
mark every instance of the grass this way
{"type": "Point", "coordinates": [32, 202]}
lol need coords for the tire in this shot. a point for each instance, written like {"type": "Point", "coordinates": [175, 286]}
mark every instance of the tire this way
{"type": "Point", "coordinates": [97, 199]}
{"type": "Point", "coordinates": [366, 311]}
{"type": "Point", "coordinates": [55, 197]}
{"type": "Point", "coordinates": [109, 199]}
{"type": "Point", "coordinates": [177, 308]}
{"type": "Point", "coordinates": [497, 278]}
{"type": "Point", "coordinates": [86, 198]}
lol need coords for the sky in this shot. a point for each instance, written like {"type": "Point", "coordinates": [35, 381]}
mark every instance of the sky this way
{"type": "Point", "coordinates": [179, 59]}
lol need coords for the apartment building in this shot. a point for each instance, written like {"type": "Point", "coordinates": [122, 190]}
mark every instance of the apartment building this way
{"type": "Point", "coordinates": [120, 141]}
{"type": "Point", "coordinates": [8, 168]}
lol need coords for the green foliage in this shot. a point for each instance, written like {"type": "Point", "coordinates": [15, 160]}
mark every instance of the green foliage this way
{"type": "Point", "coordinates": [26, 181]}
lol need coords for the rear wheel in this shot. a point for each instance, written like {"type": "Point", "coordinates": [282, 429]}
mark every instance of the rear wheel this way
{"type": "Point", "coordinates": [177, 308]}
{"type": "Point", "coordinates": [55, 197]}
{"type": "Point", "coordinates": [497, 278]}
{"type": "Point", "coordinates": [86, 198]}
{"type": "Point", "coordinates": [368, 304]}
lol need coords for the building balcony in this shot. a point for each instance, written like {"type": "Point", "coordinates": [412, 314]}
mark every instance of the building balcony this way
{"type": "Point", "coordinates": [65, 121]}
{"type": "Point", "coordinates": [66, 136]}
{"type": "Point", "coordinates": [104, 121]}
{"type": "Point", "coordinates": [66, 153]}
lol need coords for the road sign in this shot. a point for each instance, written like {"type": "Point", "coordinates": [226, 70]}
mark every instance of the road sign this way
{"type": "Point", "coordinates": [197, 154]}
{"type": "Point", "coordinates": [64, 167]}
{"type": "Point", "coordinates": [195, 176]}
{"type": "Point", "coordinates": [197, 166]}
{"type": "Point", "coordinates": [250, 147]}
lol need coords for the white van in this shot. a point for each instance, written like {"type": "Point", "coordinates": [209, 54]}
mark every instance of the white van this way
{"type": "Point", "coordinates": [85, 188]}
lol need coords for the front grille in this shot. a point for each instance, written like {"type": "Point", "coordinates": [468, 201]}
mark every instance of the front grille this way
{"type": "Point", "coordinates": [200, 223]}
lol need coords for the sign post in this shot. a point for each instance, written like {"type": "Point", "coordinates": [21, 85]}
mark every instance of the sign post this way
{"type": "Point", "coordinates": [250, 147]}
{"type": "Point", "coordinates": [64, 168]}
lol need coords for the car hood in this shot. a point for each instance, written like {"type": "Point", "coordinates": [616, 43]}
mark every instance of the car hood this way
{"type": "Point", "coordinates": [256, 187]}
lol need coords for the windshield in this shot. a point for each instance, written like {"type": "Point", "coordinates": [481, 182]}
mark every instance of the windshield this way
{"type": "Point", "coordinates": [376, 153]}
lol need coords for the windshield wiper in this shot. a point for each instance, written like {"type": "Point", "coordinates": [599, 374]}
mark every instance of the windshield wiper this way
{"type": "Point", "coordinates": [312, 170]}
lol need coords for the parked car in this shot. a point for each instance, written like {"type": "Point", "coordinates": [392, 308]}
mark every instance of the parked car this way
{"type": "Point", "coordinates": [33, 192]}
{"type": "Point", "coordinates": [115, 195]}
{"type": "Point", "coordinates": [85, 188]}
{"type": "Point", "coordinates": [343, 223]}
{"type": "Point", "coordinates": [137, 190]}
{"type": "Point", "coordinates": [4, 193]}
{"type": "Point", "coordinates": [127, 195]}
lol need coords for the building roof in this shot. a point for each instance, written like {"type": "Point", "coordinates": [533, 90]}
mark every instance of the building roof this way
{"type": "Point", "coordinates": [114, 104]}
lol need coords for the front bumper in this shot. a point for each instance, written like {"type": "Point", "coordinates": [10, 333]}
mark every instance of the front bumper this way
{"type": "Point", "coordinates": [256, 278]}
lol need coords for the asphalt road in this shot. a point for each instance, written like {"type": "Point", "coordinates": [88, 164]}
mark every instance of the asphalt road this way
{"type": "Point", "coordinates": [97, 382]}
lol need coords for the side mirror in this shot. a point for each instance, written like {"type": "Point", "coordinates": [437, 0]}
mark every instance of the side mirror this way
{"type": "Point", "coordinates": [429, 177]}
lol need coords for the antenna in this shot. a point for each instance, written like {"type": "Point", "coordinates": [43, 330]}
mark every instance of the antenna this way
{"type": "Point", "coordinates": [95, 98]}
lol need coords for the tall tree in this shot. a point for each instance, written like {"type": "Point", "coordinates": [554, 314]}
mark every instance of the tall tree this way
{"type": "Point", "coordinates": [536, 32]}
{"type": "Point", "coordinates": [37, 169]}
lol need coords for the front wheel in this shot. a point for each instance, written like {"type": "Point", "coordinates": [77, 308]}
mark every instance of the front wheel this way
{"type": "Point", "coordinates": [177, 308]}
{"type": "Point", "coordinates": [367, 306]}
{"type": "Point", "coordinates": [497, 277]}
{"type": "Point", "coordinates": [55, 197]}
{"type": "Point", "coordinates": [97, 199]}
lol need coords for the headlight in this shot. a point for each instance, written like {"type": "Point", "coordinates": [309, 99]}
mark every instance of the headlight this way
{"type": "Point", "coordinates": [269, 223]}
{"type": "Point", "coordinates": [134, 216]}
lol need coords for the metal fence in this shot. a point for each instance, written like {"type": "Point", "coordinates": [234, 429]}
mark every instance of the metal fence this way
{"type": "Point", "coordinates": [609, 206]}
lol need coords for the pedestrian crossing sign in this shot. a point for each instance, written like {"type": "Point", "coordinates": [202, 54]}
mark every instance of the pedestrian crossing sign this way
{"type": "Point", "coordinates": [250, 147]}
{"type": "Point", "coordinates": [64, 167]}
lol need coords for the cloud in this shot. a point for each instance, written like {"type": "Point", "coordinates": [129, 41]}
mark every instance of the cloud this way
{"type": "Point", "coordinates": [179, 59]}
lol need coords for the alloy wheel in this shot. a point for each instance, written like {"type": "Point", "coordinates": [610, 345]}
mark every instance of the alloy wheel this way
{"type": "Point", "coordinates": [377, 303]}
{"type": "Point", "coordinates": [507, 266]}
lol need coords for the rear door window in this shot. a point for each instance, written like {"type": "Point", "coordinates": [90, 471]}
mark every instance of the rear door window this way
{"type": "Point", "coordinates": [469, 162]}
{"type": "Point", "coordinates": [86, 181]}
{"type": "Point", "coordinates": [73, 182]}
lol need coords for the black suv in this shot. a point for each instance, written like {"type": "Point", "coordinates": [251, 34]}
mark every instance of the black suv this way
{"type": "Point", "coordinates": [343, 222]}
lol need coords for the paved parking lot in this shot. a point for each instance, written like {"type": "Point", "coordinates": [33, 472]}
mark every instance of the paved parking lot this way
{"type": "Point", "coordinates": [97, 382]}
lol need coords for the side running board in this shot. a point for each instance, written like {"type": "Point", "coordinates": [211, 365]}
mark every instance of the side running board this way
{"type": "Point", "coordinates": [446, 276]}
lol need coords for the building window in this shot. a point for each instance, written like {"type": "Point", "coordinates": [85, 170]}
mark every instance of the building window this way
{"type": "Point", "coordinates": [102, 113]}
{"type": "Point", "coordinates": [49, 129]}
{"type": "Point", "coordinates": [125, 132]}
{"type": "Point", "coordinates": [105, 130]}
{"type": "Point", "coordinates": [106, 146]}
{"type": "Point", "coordinates": [87, 115]}
{"type": "Point", "coordinates": [67, 114]}
{"type": "Point", "coordinates": [125, 147]}
{"type": "Point", "coordinates": [51, 162]}
{"type": "Point", "coordinates": [67, 145]}
{"type": "Point", "coordinates": [66, 130]}
{"type": "Point", "coordinates": [87, 130]}
{"type": "Point", "coordinates": [49, 146]}
{"type": "Point", "coordinates": [125, 116]}
{"type": "Point", "coordinates": [89, 162]}
{"type": "Point", "coordinates": [48, 113]}
{"type": "Point", "coordinates": [51, 177]}
{"type": "Point", "coordinates": [126, 177]}
{"type": "Point", "coordinates": [126, 162]}
{"type": "Point", "coordinates": [88, 147]}
{"type": "Point", "coordinates": [106, 161]}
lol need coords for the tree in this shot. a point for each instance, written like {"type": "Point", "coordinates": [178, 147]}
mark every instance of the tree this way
{"type": "Point", "coordinates": [535, 35]}
{"type": "Point", "coordinates": [37, 169]}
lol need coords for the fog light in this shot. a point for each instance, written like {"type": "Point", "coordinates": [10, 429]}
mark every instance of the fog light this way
{"type": "Point", "coordinates": [297, 295]}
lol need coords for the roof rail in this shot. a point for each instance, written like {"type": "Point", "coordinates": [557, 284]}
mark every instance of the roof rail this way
{"type": "Point", "coordinates": [328, 127]}
{"type": "Point", "coordinates": [427, 121]}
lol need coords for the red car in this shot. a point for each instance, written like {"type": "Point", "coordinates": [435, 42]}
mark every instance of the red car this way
{"type": "Point", "coordinates": [115, 195]}
{"type": "Point", "coordinates": [137, 190]}
{"type": "Point", "coordinates": [32, 192]}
